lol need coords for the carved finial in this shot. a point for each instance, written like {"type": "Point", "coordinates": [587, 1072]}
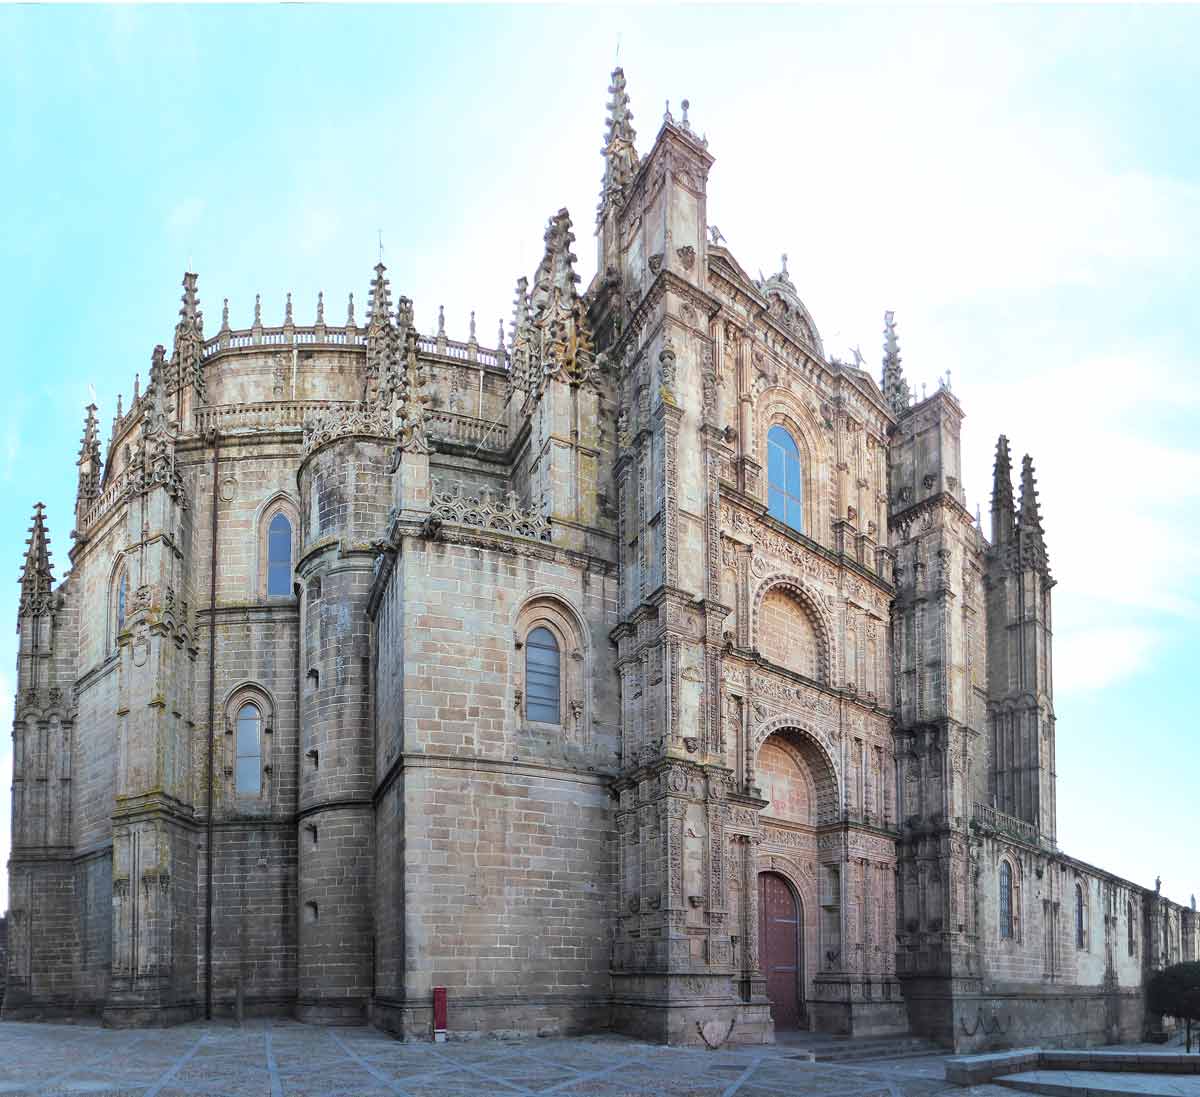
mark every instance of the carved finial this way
{"type": "Point", "coordinates": [120, 413]}
{"type": "Point", "coordinates": [37, 575]}
{"type": "Point", "coordinates": [90, 465]}
{"type": "Point", "coordinates": [500, 336]}
{"type": "Point", "coordinates": [189, 310]}
{"type": "Point", "coordinates": [137, 387]}
{"type": "Point", "coordinates": [667, 117]}
{"type": "Point", "coordinates": [923, 395]}
{"type": "Point", "coordinates": [685, 124]}
{"type": "Point", "coordinates": [895, 387]}
{"type": "Point", "coordinates": [320, 306]}
{"type": "Point", "coordinates": [441, 320]}
{"type": "Point", "coordinates": [1031, 516]}
{"type": "Point", "coordinates": [287, 311]}
{"type": "Point", "coordinates": [472, 335]}
{"type": "Point", "coordinates": [783, 264]}
{"type": "Point", "coordinates": [350, 312]}
{"type": "Point", "coordinates": [379, 303]}
{"type": "Point", "coordinates": [1003, 510]}
{"type": "Point", "coordinates": [620, 156]}
{"type": "Point", "coordinates": [225, 315]}
{"type": "Point", "coordinates": [258, 310]}
{"type": "Point", "coordinates": [947, 380]}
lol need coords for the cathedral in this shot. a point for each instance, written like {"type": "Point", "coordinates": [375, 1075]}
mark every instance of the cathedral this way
{"type": "Point", "coordinates": [644, 672]}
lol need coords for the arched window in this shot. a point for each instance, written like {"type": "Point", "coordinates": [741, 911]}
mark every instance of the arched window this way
{"type": "Point", "coordinates": [279, 556]}
{"type": "Point", "coordinates": [785, 495]}
{"type": "Point", "coordinates": [248, 763]}
{"type": "Point", "coordinates": [1079, 921]}
{"type": "Point", "coordinates": [543, 677]}
{"type": "Point", "coordinates": [1006, 899]}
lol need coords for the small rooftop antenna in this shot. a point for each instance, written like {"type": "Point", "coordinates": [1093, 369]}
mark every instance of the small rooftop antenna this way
{"type": "Point", "coordinates": [380, 231]}
{"type": "Point", "coordinates": [617, 57]}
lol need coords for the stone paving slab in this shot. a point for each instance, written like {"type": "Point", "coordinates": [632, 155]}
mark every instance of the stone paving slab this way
{"type": "Point", "coordinates": [280, 1058]}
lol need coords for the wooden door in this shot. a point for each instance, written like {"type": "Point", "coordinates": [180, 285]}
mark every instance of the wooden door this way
{"type": "Point", "coordinates": [779, 935]}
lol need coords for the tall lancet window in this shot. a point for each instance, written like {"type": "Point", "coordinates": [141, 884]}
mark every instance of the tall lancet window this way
{"type": "Point", "coordinates": [122, 590]}
{"type": "Point", "coordinates": [543, 677]}
{"type": "Point", "coordinates": [1006, 900]}
{"type": "Point", "coordinates": [785, 493]}
{"type": "Point", "coordinates": [248, 765]}
{"type": "Point", "coordinates": [1080, 926]}
{"type": "Point", "coordinates": [279, 556]}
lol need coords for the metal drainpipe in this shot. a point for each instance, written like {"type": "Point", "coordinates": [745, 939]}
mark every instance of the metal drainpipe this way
{"type": "Point", "coordinates": [212, 703]}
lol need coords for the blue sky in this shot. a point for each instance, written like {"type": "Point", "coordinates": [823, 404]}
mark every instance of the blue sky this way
{"type": "Point", "coordinates": [1022, 185]}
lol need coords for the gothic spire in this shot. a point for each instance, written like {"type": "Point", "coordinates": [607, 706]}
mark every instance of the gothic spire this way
{"type": "Point", "coordinates": [37, 577]}
{"type": "Point", "coordinates": [89, 465]}
{"type": "Point", "coordinates": [895, 387]}
{"type": "Point", "coordinates": [381, 336]}
{"type": "Point", "coordinates": [1033, 541]}
{"type": "Point", "coordinates": [620, 155]}
{"type": "Point", "coordinates": [379, 302]}
{"type": "Point", "coordinates": [1031, 517]}
{"type": "Point", "coordinates": [1003, 513]}
{"type": "Point", "coordinates": [189, 338]}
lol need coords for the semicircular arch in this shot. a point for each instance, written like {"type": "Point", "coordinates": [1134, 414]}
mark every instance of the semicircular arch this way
{"type": "Point", "coordinates": [812, 606]}
{"type": "Point", "coordinates": [811, 748]}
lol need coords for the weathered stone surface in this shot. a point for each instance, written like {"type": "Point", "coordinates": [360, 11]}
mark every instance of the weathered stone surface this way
{"type": "Point", "coordinates": [532, 665]}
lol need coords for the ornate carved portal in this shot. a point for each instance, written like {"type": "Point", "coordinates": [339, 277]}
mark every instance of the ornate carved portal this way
{"type": "Point", "coordinates": [780, 929]}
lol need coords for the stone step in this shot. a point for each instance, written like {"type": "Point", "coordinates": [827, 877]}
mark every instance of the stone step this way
{"type": "Point", "coordinates": [874, 1048]}
{"type": "Point", "coordinates": [1085, 1083]}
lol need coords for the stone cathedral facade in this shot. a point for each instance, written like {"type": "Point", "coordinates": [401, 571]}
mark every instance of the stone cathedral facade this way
{"type": "Point", "coordinates": [645, 671]}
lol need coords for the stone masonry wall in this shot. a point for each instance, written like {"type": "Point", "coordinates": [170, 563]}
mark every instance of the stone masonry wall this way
{"type": "Point", "coordinates": [497, 835]}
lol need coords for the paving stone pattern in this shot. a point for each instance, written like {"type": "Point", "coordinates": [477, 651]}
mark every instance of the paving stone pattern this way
{"type": "Point", "coordinates": [285, 1059]}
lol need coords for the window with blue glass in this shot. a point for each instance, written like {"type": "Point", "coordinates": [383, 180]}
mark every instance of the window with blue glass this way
{"type": "Point", "coordinates": [279, 556]}
{"type": "Point", "coordinates": [785, 492]}
{"type": "Point", "coordinates": [249, 751]}
{"type": "Point", "coordinates": [543, 677]}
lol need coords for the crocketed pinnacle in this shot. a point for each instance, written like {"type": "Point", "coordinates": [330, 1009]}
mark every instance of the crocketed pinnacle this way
{"type": "Point", "coordinates": [37, 576]}
{"type": "Point", "coordinates": [1032, 537]}
{"type": "Point", "coordinates": [379, 303]}
{"type": "Point", "coordinates": [1031, 517]}
{"type": "Point", "coordinates": [88, 488]}
{"type": "Point", "coordinates": [1003, 514]}
{"type": "Point", "coordinates": [894, 386]}
{"type": "Point", "coordinates": [89, 444]}
{"type": "Point", "coordinates": [620, 155]}
{"type": "Point", "coordinates": [188, 349]}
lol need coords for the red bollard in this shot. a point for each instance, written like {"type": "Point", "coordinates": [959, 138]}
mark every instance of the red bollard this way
{"type": "Point", "coordinates": [439, 1015]}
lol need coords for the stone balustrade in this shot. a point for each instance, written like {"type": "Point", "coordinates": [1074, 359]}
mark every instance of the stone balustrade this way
{"type": "Point", "coordinates": [467, 430]}
{"type": "Point", "coordinates": [281, 415]}
{"type": "Point", "coordinates": [992, 819]}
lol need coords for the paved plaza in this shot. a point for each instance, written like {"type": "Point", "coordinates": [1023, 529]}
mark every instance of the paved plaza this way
{"type": "Point", "coordinates": [279, 1058]}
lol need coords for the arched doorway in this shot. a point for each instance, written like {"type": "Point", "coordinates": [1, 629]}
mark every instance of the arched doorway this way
{"type": "Point", "coordinates": [781, 949]}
